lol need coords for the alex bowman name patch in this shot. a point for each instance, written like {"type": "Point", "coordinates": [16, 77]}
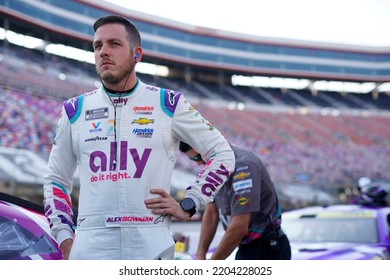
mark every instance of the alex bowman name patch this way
{"type": "Point", "coordinates": [95, 114]}
{"type": "Point", "coordinates": [243, 184]}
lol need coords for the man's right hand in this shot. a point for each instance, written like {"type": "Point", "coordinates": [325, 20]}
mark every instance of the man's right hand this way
{"type": "Point", "coordinates": [65, 248]}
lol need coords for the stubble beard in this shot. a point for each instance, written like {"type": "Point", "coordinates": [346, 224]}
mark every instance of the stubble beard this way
{"type": "Point", "coordinates": [112, 79]}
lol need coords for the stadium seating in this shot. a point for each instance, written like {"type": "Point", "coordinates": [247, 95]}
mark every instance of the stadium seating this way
{"type": "Point", "coordinates": [333, 142]}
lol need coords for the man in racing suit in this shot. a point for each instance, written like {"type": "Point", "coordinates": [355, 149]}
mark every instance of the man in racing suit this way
{"type": "Point", "coordinates": [123, 138]}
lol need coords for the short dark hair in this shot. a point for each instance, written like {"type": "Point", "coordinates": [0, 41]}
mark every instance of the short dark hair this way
{"type": "Point", "coordinates": [184, 147]}
{"type": "Point", "coordinates": [132, 31]}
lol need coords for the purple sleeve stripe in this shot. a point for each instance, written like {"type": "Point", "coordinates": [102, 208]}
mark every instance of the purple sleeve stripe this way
{"type": "Point", "coordinates": [66, 221]}
{"type": "Point", "coordinates": [48, 211]}
{"type": "Point", "coordinates": [63, 207]}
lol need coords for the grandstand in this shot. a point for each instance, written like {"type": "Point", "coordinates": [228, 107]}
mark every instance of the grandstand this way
{"type": "Point", "coordinates": [317, 138]}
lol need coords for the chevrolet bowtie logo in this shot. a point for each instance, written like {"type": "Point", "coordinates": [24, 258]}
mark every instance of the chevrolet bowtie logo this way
{"type": "Point", "coordinates": [240, 176]}
{"type": "Point", "coordinates": [143, 121]}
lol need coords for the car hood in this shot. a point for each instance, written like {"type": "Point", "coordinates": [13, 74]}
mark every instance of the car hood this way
{"type": "Point", "coordinates": [336, 251]}
{"type": "Point", "coordinates": [25, 234]}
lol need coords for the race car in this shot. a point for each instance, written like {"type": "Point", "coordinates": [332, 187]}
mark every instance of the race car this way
{"type": "Point", "coordinates": [338, 232]}
{"type": "Point", "coordinates": [24, 231]}
{"type": "Point", "coordinates": [345, 232]}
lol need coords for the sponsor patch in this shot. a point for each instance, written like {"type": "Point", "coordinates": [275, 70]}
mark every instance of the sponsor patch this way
{"type": "Point", "coordinates": [244, 191]}
{"type": "Point", "coordinates": [242, 168]}
{"type": "Point", "coordinates": [243, 184]}
{"type": "Point", "coordinates": [119, 101]}
{"type": "Point", "coordinates": [152, 88]}
{"type": "Point", "coordinates": [95, 127]}
{"type": "Point", "coordinates": [95, 114]}
{"type": "Point", "coordinates": [143, 110]}
{"type": "Point", "coordinates": [241, 176]}
{"type": "Point", "coordinates": [94, 139]}
{"type": "Point", "coordinates": [110, 129]}
{"type": "Point", "coordinates": [143, 121]}
{"type": "Point", "coordinates": [243, 201]}
{"type": "Point", "coordinates": [143, 132]}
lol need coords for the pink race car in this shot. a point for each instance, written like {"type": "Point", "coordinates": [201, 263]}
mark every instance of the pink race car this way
{"type": "Point", "coordinates": [24, 231]}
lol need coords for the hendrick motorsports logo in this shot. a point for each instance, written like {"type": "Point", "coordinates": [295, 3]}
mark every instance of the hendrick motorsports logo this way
{"type": "Point", "coordinates": [143, 110]}
{"type": "Point", "coordinates": [143, 132]}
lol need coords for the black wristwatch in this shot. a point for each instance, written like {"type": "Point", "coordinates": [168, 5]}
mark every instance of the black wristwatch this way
{"type": "Point", "coordinates": [188, 205]}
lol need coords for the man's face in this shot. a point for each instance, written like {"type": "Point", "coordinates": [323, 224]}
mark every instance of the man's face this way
{"type": "Point", "coordinates": [113, 57]}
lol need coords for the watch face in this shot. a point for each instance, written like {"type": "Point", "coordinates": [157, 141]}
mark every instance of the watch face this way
{"type": "Point", "coordinates": [187, 204]}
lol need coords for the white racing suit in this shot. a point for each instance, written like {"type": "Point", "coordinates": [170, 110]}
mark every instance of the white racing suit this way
{"type": "Point", "coordinates": [113, 222]}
